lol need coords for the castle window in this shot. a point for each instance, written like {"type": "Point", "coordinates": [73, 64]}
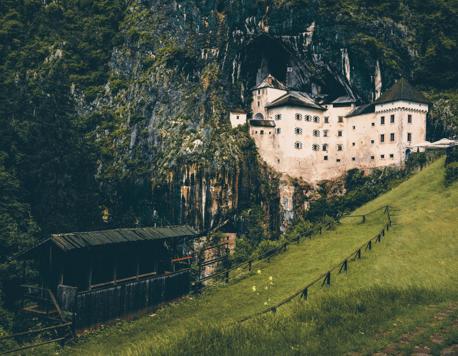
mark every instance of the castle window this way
{"type": "Point", "coordinates": [277, 116]}
{"type": "Point", "coordinates": [325, 158]}
{"type": "Point", "coordinates": [382, 138]}
{"type": "Point", "coordinates": [340, 119]}
{"type": "Point", "coordinates": [382, 120]}
{"type": "Point", "coordinates": [325, 147]}
{"type": "Point", "coordinates": [391, 155]}
{"type": "Point", "coordinates": [373, 124]}
{"type": "Point", "coordinates": [326, 119]}
{"type": "Point", "coordinates": [354, 127]}
{"type": "Point", "coordinates": [298, 145]}
{"type": "Point", "coordinates": [316, 119]}
{"type": "Point", "coordinates": [409, 136]}
{"type": "Point", "coordinates": [339, 147]}
{"type": "Point", "coordinates": [353, 143]}
{"type": "Point", "coordinates": [392, 119]}
{"type": "Point", "coordinates": [237, 117]}
{"type": "Point", "coordinates": [372, 157]}
{"type": "Point", "coordinates": [372, 142]}
{"type": "Point", "coordinates": [315, 147]}
{"type": "Point", "coordinates": [382, 156]}
{"type": "Point", "coordinates": [339, 133]}
{"type": "Point", "coordinates": [308, 118]}
{"type": "Point", "coordinates": [316, 133]}
{"type": "Point", "coordinates": [259, 104]}
{"type": "Point", "coordinates": [409, 119]}
{"type": "Point", "coordinates": [325, 133]}
{"type": "Point", "coordinates": [298, 131]}
{"type": "Point", "coordinates": [270, 132]}
{"type": "Point", "coordinates": [261, 132]}
{"type": "Point", "coordinates": [353, 158]}
{"type": "Point", "coordinates": [278, 130]}
{"type": "Point", "coordinates": [338, 160]}
{"type": "Point", "coordinates": [391, 137]}
{"type": "Point", "coordinates": [259, 91]}
{"type": "Point", "coordinates": [298, 116]}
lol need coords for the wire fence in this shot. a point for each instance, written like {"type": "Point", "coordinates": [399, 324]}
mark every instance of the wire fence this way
{"type": "Point", "coordinates": [341, 267]}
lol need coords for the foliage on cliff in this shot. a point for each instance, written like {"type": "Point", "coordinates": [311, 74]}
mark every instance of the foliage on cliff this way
{"type": "Point", "coordinates": [110, 104]}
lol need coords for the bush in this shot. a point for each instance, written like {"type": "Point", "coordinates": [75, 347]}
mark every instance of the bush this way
{"type": "Point", "coordinates": [452, 155]}
{"type": "Point", "coordinates": [266, 246]}
{"type": "Point", "coordinates": [451, 172]}
{"type": "Point", "coordinates": [243, 250]}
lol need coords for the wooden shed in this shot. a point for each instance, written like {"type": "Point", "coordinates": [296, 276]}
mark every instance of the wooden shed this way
{"type": "Point", "coordinates": [99, 275]}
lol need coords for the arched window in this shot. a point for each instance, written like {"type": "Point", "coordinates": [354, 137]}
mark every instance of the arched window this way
{"type": "Point", "coordinates": [298, 145]}
{"type": "Point", "coordinates": [316, 119]}
{"type": "Point", "coordinates": [325, 147]}
{"type": "Point", "coordinates": [298, 116]}
{"type": "Point", "coordinates": [316, 133]}
{"type": "Point", "coordinates": [308, 118]}
{"type": "Point", "coordinates": [259, 116]}
{"type": "Point", "coordinates": [298, 131]}
{"type": "Point", "coordinates": [277, 116]}
{"type": "Point", "coordinates": [315, 147]}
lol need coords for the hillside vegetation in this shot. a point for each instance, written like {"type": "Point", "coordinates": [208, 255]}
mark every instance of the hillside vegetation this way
{"type": "Point", "coordinates": [395, 292]}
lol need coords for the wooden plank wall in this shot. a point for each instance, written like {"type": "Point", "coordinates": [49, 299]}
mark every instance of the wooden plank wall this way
{"type": "Point", "coordinates": [97, 306]}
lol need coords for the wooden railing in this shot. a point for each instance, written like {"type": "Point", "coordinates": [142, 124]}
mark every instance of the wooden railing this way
{"type": "Point", "coordinates": [325, 278]}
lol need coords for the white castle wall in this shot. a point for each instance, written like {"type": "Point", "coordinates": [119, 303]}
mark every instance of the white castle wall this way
{"type": "Point", "coordinates": [361, 138]}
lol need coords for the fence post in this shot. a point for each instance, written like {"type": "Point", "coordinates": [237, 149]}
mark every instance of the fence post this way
{"type": "Point", "coordinates": [321, 230]}
{"type": "Point", "coordinates": [305, 294]}
{"type": "Point", "coordinates": [364, 219]}
{"type": "Point", "coordinates": [249, 266]}
{"type": "Point", "coordinates": [387, 227]}
{"type": "Point", "coordinates": [344, 266]}
{"type": "Point", "coordinates": [226, 279]}
{"type": "Point", "coordinates": [382, 232]}
{"type": "Point", "coordinates": [327, 280]}
{"type": "Point", "coordinates": [284, 246]}
{"type": "Point", "coordinates": [273, 309]}
{"type": "Point", "coordinates": [369, 245]}
{"type": "Point", "coordinates": [358, 254]}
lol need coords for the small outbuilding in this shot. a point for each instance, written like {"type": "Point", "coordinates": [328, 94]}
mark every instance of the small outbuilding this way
{"type": "Point", "coordinates": [100, 275]}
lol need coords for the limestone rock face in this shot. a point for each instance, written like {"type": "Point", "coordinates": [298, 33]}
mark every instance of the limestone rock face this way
{"type": "Point", "coordinates": [183, 64]}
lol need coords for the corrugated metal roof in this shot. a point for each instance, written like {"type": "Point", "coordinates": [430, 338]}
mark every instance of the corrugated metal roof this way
{"type": "Point", "coordinates": [77, 240]}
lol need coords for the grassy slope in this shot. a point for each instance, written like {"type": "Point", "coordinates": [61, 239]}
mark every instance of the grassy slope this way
{"type": "Point", "coordinates": [414, 265]}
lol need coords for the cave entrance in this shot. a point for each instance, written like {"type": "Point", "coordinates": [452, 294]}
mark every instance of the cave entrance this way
{"type": "Point", "coordinates": [265, 55]}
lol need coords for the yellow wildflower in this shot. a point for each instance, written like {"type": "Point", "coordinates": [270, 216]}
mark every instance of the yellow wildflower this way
{"type": "Point", "coordinates": [254, 288]}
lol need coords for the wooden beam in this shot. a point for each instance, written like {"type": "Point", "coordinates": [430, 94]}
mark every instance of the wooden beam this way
{"type": "Point", "coordinates": [89, 277]}
{"type": "Point", "coordinates": [138, 268]}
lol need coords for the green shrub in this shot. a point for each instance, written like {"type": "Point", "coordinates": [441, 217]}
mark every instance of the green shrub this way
{"type": "Point", "coordinates": [451, 172]}
{"type": "Point", "coordinates": [266, 246]}
{"type": "Point", "coordinates": [452, 155]}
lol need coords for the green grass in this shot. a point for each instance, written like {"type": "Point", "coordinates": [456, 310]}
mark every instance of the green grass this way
{"type": "Point", "coordinates": [408, 277]}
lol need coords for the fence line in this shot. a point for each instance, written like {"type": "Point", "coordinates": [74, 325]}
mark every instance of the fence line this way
{"type": "Point", "coordinates": [272, 252]}
{"type": "Point", "coordinates": [325, 277]}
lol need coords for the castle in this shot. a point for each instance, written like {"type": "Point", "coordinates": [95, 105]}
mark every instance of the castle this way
{"type": "Point", "coordinates": [303, 137]}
